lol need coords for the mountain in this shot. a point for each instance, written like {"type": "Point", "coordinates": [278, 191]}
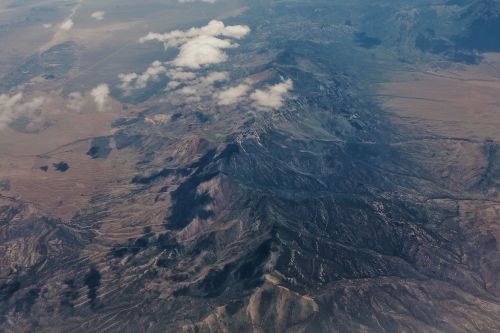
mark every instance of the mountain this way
{"type": "Point", "coordinates": [299, 199]}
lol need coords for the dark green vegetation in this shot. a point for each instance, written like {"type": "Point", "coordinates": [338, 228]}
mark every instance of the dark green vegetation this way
{"type": "Point", "coordinates": [320, 217]}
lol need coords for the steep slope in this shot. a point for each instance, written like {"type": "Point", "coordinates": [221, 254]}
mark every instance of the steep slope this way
{"type": "Point", "coordinates": [324, 215]}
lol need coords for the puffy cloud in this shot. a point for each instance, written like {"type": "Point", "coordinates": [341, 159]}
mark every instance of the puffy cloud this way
{"type": "Point", "coordinates": [213, 28]}
{"type": "Point", "coordinates": [181, 75]}
{"type": "Point", "coordinates": [214, 77]}
{"type": "Point", "coordinates": [203, 46]}
{"type": "Point", "coordinates": [99, 15]}
{"type": "Point", "coordinates": [67, 25]}
{"type": "Point", "coordinates": [13, 107]}
{"type": "Point", "coordinates": [127, 80]}
{"type": "Point", "coordinates": [233, 95]}
{"type": "Point", "coordinates": [201, 51]}
{"type": "Point", "coordinates": [100, 94]}
{"type": "Point", "coordinates": [272, 97]}
{"type": "Point", "coordinates": [195, 90]}
{"type": "Point", "coordinates": [140, 81]}
{"type": "Point", "coordinates": [173, 85]}
{"type": "Point", "coordinates": [154, 72]}
{"type": "Point", "coordinates": [198, 48]}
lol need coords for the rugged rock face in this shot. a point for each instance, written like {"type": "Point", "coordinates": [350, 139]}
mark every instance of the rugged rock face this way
{"type": "Point", "coordinates": [324, 216]}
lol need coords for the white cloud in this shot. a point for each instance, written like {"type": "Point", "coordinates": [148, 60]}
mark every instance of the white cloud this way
{"type": "Point", "coordinates": [154, 72]}
{"type": "Point", "coordinates": [195, 90]}
{"type": "Point", "coordinates": [181, 75]}
{"type": "Point", "coordinates": [233, 95]}
{"type": "Point", "coordinates": [127, 80]}
{"type": "Point", "coordinates": [47, 25]}
{"type": "Point", "coordinates": [203, 46]}
{"type": "Point", "coordinates": [198, 48]}
{"type": "Point", "coordinates": [201, 51]}
{"type": "Point", "coordinates": [272, 97]}
{"type": "Point", "coordinates": [13, 107]}
{"type": "Point", "coordinates": [67, 25]}
{"type": "Point", "coordinates": [100, 94]}
{"type": "Point", "coordinates": [173, 85]}
{"type": "Point", "coordinates": [214, 77]}
{"type": "Point", "coordinates": [99, 15]}
{"type": "Point", "coordinates": [140, 81]}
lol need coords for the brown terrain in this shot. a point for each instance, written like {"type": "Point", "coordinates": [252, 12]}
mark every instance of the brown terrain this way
{"type": "Point", "coordinates": [456, 112]}
{"type": "Point", "coordinates": [366, 201]}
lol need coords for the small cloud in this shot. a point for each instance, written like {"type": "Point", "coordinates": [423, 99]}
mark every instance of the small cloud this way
{"type": "Point", "coordinates": [273, 97]}
{"type": "Point", "coordinates": [47, 25]}
{"type": "Point", "coordinates": [195, 90]}
{"type": "Point", "coordinates": [13, 107]}
{"type": "Point", "coordinates": [100, 94]}
{"type": "Point", "coordinates": [140, 81]}
{"type": "Point", "coordinates": [127, 81]}
{"type": "Point", "coordinates": [214, 77]}
{"type": "Point", "coordinates": [152, 73]}
{"type": "Point", "coordinates": [99, 15]}
{"type": "Point", "coordinates": [67, 25]}
{"type": "Point", "coordinates": [173, 85]}
{"type": "Point", "coordinates": [233, 95]}
{"type": "Point", "coordinates": [201, 51]}
{"type": "Point", "coordinates": [181, 75]}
